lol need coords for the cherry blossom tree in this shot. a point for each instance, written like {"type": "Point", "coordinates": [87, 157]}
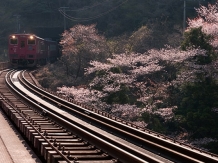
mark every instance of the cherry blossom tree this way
{"type": "Point", "coordinates": [130, 84]}
{"type": "Point", "coordinates": [202, 32]}
{"type": "Point", "coordinates": [198, 92]}
{"type": "Point", "coordinates": [154, 88]}
{"type": "Point", "coordinates": [208, 21]}
{"type": "Point", "coordinates": [142, 78]}
{"type": "Point", "coordinates": [140, 40]}
{"type": "Point", "coordinates": [79, 45]}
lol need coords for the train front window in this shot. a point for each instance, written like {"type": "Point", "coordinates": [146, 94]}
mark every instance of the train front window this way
{"type": "Point", "coordinates": [22, 44]}
{"type": "Point", "coordinates": [13, 41]}
{"type": "Point", "coordinates": [31, 41]}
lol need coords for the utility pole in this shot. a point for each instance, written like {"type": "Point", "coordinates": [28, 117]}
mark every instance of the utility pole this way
{"type": "Point", "coordinates": [18, 23]}
{"type": "Point", "coordinates": [184, 13]}
{"type": "Point", "coordinates": [64, 9]}
{"type": "Point", "coordinates": [184, 16]}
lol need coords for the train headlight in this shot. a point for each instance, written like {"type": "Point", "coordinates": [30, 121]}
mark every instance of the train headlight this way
{"type": "Point", "coordinates": [13, 37]}
{"type": "Point", "coordinates": [31, 37]}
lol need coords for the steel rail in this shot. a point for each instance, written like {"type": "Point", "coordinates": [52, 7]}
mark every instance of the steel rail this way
{"type": "Point", "coordinates": [123, 146]}
{"type": "Point", "coordinates": [36, 129]}
{"type": "Point", "coordinates": [173, 148]}
{"type": "Point", "coordinates": [99, 142]}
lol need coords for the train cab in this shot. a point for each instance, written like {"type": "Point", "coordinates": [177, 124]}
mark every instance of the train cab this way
{"type": "Point", "coordinates": [28, 50]}
{"type": "Point", "coordinates": [22, 49]}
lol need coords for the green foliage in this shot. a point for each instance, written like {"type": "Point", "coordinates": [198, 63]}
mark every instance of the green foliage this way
{"type": "Point", "coordinates": [100, 73]}
{"type": "Point", "coordinates": [212, 146]}
{"type": "Point", "coordinates": [195, 109]}
{"type": "Point", "coordinates": [116, 70]}
{"type": "Point", "coordinates": [196, 38]}
{"type": "Point", "coordinates": [140, 40]}
{"type": "Point", "coordinates": [154, 122]}
{"type": "Point", "coordinates": [120, 97]}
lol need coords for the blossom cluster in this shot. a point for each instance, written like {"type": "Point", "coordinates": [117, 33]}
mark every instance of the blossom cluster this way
{"type": "Point", "coordinates": [166, 113]}
{"type": "Point", "coordinates": [208, 20]}
{"type": "Point", "coordinates": [146, 76]}
{"type": "Point", "coordinates": [83, 36]}
{"type": "Point", "coordinates": [130, 68]}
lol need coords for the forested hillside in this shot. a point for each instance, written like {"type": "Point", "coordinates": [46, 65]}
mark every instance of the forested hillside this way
{"type": "Point", "coordinates": [113, 18]}
{"type": "Point", "coordinates": [131, 58]}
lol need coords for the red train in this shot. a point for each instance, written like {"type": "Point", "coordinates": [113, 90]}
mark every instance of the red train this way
{"type": "Point", "coordinates": [27, 50]}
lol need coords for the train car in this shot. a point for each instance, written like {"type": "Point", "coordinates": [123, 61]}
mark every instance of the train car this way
{"type": "Point", "coordinates": [28, 50]}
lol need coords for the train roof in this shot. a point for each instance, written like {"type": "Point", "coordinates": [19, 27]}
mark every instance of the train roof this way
{"type": "Point", "coordinates": [29, 34]}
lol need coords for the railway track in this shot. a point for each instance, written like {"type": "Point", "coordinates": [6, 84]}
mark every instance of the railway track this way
{"type": "Point", "coordinates": [60, 130]}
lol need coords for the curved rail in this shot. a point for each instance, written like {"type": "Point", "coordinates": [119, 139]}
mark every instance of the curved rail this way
{"type": "Point", "coordinates": [153, 141]}
{"type": "Point", "coordinates": [104, 144]}
{"type": "Point", "coordinates": [27, 121]}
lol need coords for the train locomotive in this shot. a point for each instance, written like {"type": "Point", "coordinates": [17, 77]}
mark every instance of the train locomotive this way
{"type": "Point", "coordinates": [28, 50]}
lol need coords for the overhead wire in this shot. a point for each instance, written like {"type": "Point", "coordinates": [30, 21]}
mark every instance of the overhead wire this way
{"type": "Point", "coordinates": [88, 7]}
{"type": "Point", "coordinates": [90, 18]}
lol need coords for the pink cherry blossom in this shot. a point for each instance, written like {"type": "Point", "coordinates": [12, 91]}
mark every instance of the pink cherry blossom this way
{"type": "Point", "coordinates": [208, 20]}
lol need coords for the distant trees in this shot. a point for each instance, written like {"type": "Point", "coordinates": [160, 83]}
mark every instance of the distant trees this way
{"type": "Point", "coordinates": [80, 45]}
{"type": "Point", "coordinates": [166, 89]}
{"type": "Point", "coordinates": [144, 39]}
{"type": "Point", "coordinates": [197, 111]}
{"type": "Point", "coordinates": [132, 85]}
{"type": "Point", "coordinates": [202, 31]}
{"type": "Point", "coordinates": [195, 37]}
{"type": "Point", "coordinates": [156, 88]}
{"type": "Point", "coordinates": [208, 22]}
{"type": "Point", "coordinates": [141, 40]}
